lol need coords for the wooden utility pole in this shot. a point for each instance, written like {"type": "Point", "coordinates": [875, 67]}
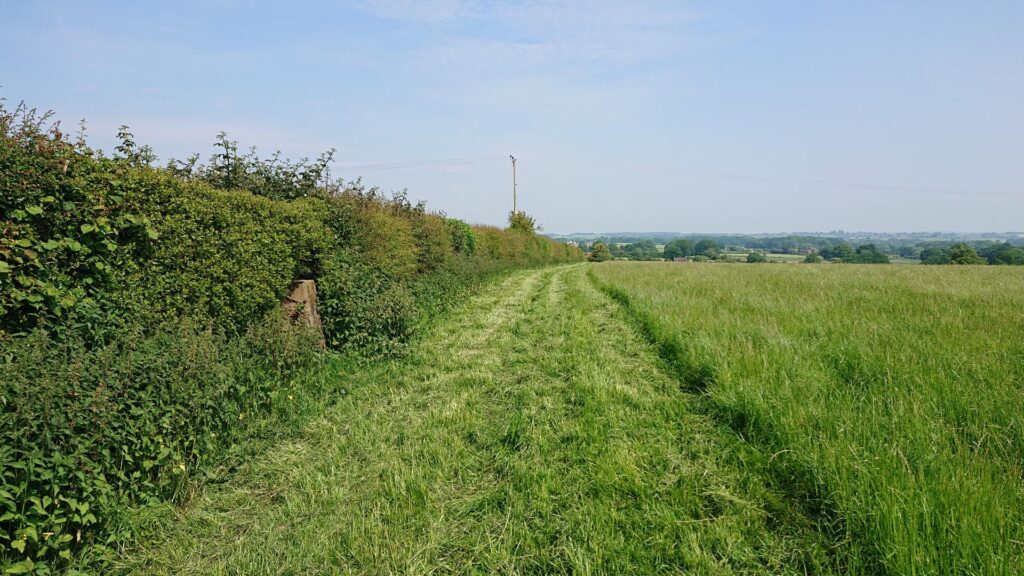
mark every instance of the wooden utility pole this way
{"type": "Point", "coordinates": [515, 192]}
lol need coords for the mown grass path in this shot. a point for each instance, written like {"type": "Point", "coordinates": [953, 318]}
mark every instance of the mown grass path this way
{"type": "Point", "coordinates": [531, 432]}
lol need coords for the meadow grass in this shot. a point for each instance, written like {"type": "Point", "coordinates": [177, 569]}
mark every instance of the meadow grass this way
{"type": "Point", "coordinates": [890, 397]}
{"type": "Point", "coordinates": [535, 431]}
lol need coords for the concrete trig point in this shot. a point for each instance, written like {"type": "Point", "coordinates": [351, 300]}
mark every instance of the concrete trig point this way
{"type": "Point", "coordinates": [300, 304]}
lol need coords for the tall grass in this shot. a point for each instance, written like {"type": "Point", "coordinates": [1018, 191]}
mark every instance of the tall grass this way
{"type": "Point", "coordinates": [891, 397]}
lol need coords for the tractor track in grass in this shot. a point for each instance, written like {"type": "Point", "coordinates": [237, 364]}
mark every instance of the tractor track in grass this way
{"type": "Point", "coordinates": [533, 431]}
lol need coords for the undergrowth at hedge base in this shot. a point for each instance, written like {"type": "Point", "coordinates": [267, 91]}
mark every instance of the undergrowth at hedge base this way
{"type": "Point", "coordinates": [85, 429]}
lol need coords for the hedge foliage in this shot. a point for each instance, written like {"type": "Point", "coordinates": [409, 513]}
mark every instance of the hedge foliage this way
{"type": "Point", "coordinates": [139, 322]}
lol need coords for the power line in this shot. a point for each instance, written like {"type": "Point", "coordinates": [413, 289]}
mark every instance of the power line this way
{"type": "Point", "coordinates": [868, 186]}
{"type": "Point", "coordinates": [860, 186]}
{"type": "Point", "coordinates": [468, 161]}
{"type": "Point", "coordinates": [423, 163]}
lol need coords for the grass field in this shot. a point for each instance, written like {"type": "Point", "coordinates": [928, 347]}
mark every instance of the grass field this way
{"type": "Point", "coordinates": [651, 418]}
{"type": "Point", "coordinates": [891, 397]}
{"type": "Point", "coordinates": [533, 432]}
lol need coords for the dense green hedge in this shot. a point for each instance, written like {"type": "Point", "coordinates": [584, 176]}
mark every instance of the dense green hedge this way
{"type": "Point", "coordinates": [222, 256]}
{"type": "Point", "coordinates": [139, 327]}
{"type": "Point", "coordinates": [67, 227]}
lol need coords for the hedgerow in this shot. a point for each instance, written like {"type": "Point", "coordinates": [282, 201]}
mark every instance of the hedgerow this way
{"type": "Point", "coordinates": [139, 322]}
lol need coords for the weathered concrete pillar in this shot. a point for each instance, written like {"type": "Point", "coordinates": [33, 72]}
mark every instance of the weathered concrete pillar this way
{"type": "Point", "coordinates": [300, 304]}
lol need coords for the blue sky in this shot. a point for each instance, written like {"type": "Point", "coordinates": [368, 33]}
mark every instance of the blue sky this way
{"type": "Point", "coordinates": [742, 116]}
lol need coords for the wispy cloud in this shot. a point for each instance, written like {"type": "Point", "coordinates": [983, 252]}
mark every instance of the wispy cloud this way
{"type": "Point", "coordinates": [573, 31]}
{"type": "Point", "coordinates": [543, 56]}
{"type": "Point", "coordinates": [423, 11]}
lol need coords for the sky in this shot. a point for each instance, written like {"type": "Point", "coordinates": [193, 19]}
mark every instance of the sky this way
{"type": "Point", "coordinates": [647, 115]}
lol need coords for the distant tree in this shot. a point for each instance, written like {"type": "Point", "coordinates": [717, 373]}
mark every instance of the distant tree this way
{"type": "Point", "coordinates": [812, 258]}
{"type": "Point", "coordinates": [707, 248]}
{"type": "Point", "coordinates": [868, 254]}
{"type": "Point", "coordinates": [679, 248]}
{"type": "Point", "coordinates": [1013, 256]}
{"type": "Point", "coordinates": [842, 252]}
{"type": "Point", "coordinates": [963, 253]}
{"type": "Point", "coordinates": [700, 258]}
{"type": "Point", "coordinates": [756, 258]}
{"type": "Point", "coordinates": [989, 250]}
{"type": "Point", "coordinates": [599, 253]}
{"type": "Point", "coordinates": [935, 255]}
{"type": "Point", "coordinates": [522, 222]}
{"type": "Point", "coordinates": [1002, 253]}
{"type": "Point", "coordinates": [908, 251]}
{"type": "Point", "coordinates": [641, 250]}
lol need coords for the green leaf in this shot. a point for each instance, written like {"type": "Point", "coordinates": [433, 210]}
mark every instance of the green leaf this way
{"type": "Point", "coordinates": [4, 267]}
{"type": "Point", "coordinates": [86, 228]}
{"type": "Point", "coordinates": [34, 210]}
{"type": "Point", "coordinates": [19, 545]}
{"type": "Point", "coordinates": [23, 567]}
{"type": "Point", "coordinates": [152, 233]}
{"type": "Point", "coordinates": [74, 245]}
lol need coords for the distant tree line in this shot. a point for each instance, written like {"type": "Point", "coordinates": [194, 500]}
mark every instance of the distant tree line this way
{"type": "Point", "coordinates": [962, 253]}
{"type": "Point", "coordinates": [642, 250]}
{"type": "Point", "coordinates": [703, 249]}
{"type": "Point", "coordinates": [814, 249]}
{"type": "Point", "coordinates": [864, 254]}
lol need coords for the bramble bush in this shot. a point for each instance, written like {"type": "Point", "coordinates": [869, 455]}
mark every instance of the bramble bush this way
{"type": "Point", "coordinates": [139, 325]}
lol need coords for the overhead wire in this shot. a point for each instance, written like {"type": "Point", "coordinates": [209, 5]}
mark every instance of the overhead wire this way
{"type": "Point", "coordinates": [423, 163]}
{"type": "Point", "coordinates": [465, 161]}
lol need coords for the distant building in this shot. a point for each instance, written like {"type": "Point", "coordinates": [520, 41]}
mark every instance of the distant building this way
{"type": "Point", "coordinates": [681, 259]}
